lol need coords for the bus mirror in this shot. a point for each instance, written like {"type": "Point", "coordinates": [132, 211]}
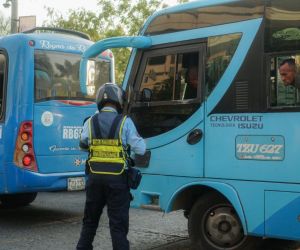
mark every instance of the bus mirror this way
{"type": "Point", "coordinates": [90, 79]}
{"type": "Point", "coordinates": [146, 95]}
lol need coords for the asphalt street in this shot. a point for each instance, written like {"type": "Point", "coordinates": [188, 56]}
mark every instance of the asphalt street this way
{"type": "Point", "coordinates": [53, 221]}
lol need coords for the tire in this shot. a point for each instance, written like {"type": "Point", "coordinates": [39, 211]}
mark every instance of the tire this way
{"type": "Point", "coordinates": [17, 200]}
{"type": "Point", "coordinates": [214, 225]}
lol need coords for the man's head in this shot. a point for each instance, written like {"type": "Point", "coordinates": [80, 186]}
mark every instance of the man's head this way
{"type": "Point", "coordinates": [110, 94]}
{"type": "Point", "coordinates": [192, 77]}
{"type": "Point", "coordinates": [287, 71]}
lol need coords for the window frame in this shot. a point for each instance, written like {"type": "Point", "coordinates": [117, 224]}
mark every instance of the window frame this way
{"type": "Point", "coordinates": [196, 45]}
{"type": "Point", "coordinates": [133, 106]}
{"type": "Point", "coordinates": [268, 57]}
{"type": "Point", "coordinates": [281, 23]}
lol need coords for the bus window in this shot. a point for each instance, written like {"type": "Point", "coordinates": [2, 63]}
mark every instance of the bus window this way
{"type": "Point", "coordinates": [282, 35]}
{"type": "Point", "coordinates": [282, 26]}
{"type": "Point", "coordinates": [213, 15]}
{"type": "Point", "coordinates": [57, 77]}
{"type": "Point", "coordinates": [220, 50]}
{"type": "Point", "coordinates": [285, 81]}
{"type": "Point", "coordinates": [2, 84]}
{"type": "Point", "coordinates": [173, 77]}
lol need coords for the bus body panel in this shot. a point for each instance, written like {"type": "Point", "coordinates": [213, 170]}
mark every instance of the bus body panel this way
{"type": "Point", "coordinates": [65, 123]}
{"type": "Point", "coordinates": [23, 181]}
{"type": "Point", "coordinates": [169, 165]}
{"type": "Point", "coordinates": [277, 209]}
{"type": "Point", "coordinates": [282, 214]}
{"type": "Point", "coordinates": [270, 208]}
{"type": "Point", "coordinates": [262, 153]}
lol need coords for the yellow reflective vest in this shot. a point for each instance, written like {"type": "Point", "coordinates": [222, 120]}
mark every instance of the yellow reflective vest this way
{"type": "Point", "coordinates": [107, 156]}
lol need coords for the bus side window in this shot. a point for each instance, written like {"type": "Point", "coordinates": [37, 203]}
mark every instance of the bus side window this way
{"type": "Point", "coordinates": [285, 81]}
{"type": "Point", "coordinates": [282, 46]}
{"type": "Point", "coordinates": [220, 51]}
{"type": "Point", "coordinates": [169, 81]}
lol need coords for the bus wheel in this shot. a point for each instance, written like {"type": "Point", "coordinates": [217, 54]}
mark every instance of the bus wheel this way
{"type": "Point", "coordinates": [17, 200]}
{"type": "Point", "coordinates": [214, 225]}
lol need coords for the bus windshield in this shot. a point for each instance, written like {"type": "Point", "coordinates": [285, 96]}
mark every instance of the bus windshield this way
{"type": "Point", "coordinates": [56, 76]}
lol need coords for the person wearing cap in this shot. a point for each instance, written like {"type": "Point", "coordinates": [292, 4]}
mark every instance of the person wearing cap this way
{"type": "Point", "coordinates": [106, 136]}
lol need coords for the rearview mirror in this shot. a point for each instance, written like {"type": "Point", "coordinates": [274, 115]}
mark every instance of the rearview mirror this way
{"type": "Point", "coordinates": [146, 95]}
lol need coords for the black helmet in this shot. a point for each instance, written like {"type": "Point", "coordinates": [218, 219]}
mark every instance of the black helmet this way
{"type": "Point", "coordinates": [110, 93]}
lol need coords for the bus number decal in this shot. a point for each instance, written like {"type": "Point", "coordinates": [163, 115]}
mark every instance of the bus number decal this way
{"type": "Point", "coordinates": [71, 132]}
{"type": "Point", "coordinates": [260, 148]}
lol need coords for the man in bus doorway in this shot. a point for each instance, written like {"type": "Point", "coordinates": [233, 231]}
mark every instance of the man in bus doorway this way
{"type": "Point", "coordinates": [105, 135]}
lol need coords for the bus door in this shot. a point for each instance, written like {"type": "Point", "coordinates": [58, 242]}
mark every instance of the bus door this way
{"type": "Point", "coordinates": [167, 108]}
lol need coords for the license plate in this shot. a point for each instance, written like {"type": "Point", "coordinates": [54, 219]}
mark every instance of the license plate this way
{"type": "Point", "coordinates": [77, 183]}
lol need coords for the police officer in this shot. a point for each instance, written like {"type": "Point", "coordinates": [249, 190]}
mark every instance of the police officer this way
{"type": "Point", "coordinates": [105, 135]}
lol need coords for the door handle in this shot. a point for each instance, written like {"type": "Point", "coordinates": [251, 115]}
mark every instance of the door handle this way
{"type": "Point", "coordinates": [195, 136]}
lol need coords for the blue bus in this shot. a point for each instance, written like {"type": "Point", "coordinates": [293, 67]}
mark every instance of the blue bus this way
{"type": "Point", "coordinates": [42, 109]}
{"type": "Point", "coordinates": [222, 129]}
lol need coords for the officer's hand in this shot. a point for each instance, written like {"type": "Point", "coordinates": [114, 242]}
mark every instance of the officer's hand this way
{"type": "Point", "coordinates": [131, 162]}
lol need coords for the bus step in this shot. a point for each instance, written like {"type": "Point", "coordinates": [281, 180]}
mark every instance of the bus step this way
{"type": "Point", "coordinates": [151, 207]}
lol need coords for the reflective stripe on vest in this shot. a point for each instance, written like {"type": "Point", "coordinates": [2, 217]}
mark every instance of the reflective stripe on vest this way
{"type": "Point", "coordinates": [107, 156]}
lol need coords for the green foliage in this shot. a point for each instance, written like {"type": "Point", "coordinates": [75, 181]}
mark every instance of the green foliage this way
{"type": "Point", "coordinates": [112, 18]}
{"type": "Point", "coordinates": [4, 25]}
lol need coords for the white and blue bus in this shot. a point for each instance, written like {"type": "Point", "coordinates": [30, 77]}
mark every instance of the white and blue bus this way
{"type": "Point", "coordinates": [41, 111]}
{"type": "Point", "coordinates": [225, 149]}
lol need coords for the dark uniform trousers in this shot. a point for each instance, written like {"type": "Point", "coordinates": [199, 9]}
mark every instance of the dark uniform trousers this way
{"type": "Point", "coordinates": [112, 191]}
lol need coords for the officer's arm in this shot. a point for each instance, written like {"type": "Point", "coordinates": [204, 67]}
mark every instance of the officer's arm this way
{"type": "Point", "coordinates": [132, 137]}
{"type": "Point", "coordinates": [84, 137]}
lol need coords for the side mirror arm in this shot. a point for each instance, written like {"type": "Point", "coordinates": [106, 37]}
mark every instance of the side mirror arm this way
{"type": "Point", "coordinates": [139, 42]}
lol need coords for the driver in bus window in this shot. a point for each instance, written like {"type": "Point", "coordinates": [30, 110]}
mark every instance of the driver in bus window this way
{"type": "Point", "coordinates": [192, 83]}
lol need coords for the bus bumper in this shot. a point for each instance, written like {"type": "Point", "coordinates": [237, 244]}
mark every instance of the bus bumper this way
{"type": "Point", "coordinates": [17, 180]}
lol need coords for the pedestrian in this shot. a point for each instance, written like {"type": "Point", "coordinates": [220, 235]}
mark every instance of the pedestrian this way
{"type": "Point", "coordinates": [106, 135]}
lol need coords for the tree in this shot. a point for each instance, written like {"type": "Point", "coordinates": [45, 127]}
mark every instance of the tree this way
{"type": "Point", "coordinates": [4, 25]}
{"type": "Point", "coordinates": [113, 18]}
